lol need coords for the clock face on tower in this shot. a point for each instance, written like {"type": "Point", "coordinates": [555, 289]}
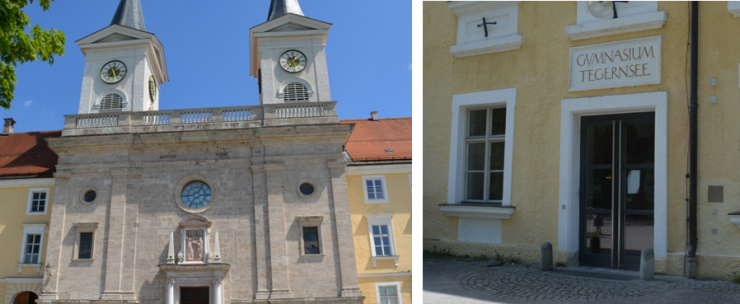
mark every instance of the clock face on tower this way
{"type": "Point", "coordinates": [113, 71]}
{"type": "Point", "coordinates": [152, 88]}
{"type": "Point", "coordinates": [293, 61]}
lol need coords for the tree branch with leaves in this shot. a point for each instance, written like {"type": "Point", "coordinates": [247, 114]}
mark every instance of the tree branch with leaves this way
{"type": "Point", "coordinates": [19, 46]}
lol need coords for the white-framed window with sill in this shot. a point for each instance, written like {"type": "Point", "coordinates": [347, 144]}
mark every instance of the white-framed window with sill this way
{"type": "Point", "coordinates": [382, 243]}
{"type": "Point", "coordinates": [374, 188]}
{"type": "Point", "coordinates": [498, 34]}
{"type": "Point", "coordinates": [85, 241]}
{"type": "Point", "coordinates": [388, 292]}
{"type": "Point", "coordinates": [477, 122]}
{"type": "Point", "coordinates": [310, 235]}
{"type": "Point", "coordinates": [33, 246]}
{"type": "Point", "coordinates": [632, 16]}
{"type": "Point", "coordinates": [38, 201]}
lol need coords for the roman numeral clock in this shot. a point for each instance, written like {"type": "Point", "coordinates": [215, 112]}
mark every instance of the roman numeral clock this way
{"type": "Point", "coordinates": [293, 61]}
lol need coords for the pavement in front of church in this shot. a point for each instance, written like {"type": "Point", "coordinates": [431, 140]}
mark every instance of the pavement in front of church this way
{"type": "Point", "coordinates": [454, 280]}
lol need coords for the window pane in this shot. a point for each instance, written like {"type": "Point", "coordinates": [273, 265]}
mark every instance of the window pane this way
{"type": "Point", "coordinates": [379, 189]}
{"type": "Point", "coordinates": [600, 144]}
{"type": "Point", "coordinates": [370, 189]}
{"type": "Point", "coordinates": [387, 250]}
{"type": "Point", "coordinates": [384, 229]}
{"type": "Point", "coordinates": [42, 195]}
{"type": "Point", "coordinates": [477, 123]}
{"type": "Point", "coordinates": [86, 242]}
{"type": "Point", "coordinates": [475, 186]}
{"type": "Point", "coordinates": [393, 301]}
{"type": "Point", "coordinates": [497, 156]}
{"type": "Point", "coordinates": [496, 191]}
{"type": "Point", "coordinates": [383, 291]}
{"type": "Point", "coordinates": [386, 241]}
{"type": "Point", "coordinates": [376, 229]}
{"type": "Point", "coordinates": [378, 251]}
{"type": "Point", "coordinates": [378, 242]}
{"type": "Point", "coordinates": [36, 195]}
{"type": "Point", "coordinates": [640, 143]}
{"type": "Point", "coordinates": [498, 121]}
{"type": "Point", "coordinates": [29, 238]}
{"type": "Point", "coordinates": [476, 156]}
{"type": "Point", "coordinates": [383, 301]}
{"type": "Point", "coordinates": [391, 291]}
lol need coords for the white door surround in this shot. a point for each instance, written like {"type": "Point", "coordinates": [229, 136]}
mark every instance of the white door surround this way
{"type": "Point", "coordinates": [571, 111]}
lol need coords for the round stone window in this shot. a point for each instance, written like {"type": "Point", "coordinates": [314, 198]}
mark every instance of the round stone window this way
{"type": "Point", "coordinates": [90, 196]}
{"type": "Point", "coordinates": [306, 189]}
{"type": "Point", "coordinates": [196, 195]}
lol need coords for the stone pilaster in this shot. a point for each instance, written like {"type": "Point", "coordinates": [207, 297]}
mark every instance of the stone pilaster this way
{"type": "Point", "coordinates": [340, 201]}
{"type": "Point", "coordinates": [116, 236]}
{"type": "Point", "coordinates": [276, 223]}
{"type": "Point", "coordinates": [260, 231]}
{"type": "Point", "coordinates": [62, 197]}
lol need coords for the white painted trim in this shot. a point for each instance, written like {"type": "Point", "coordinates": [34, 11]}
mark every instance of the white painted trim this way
{"type": "Point", "coordinates": [22, 280]}
{"type": "Point", "coordinates": [28, 182]}
{"type": "Point", "coordinates": [492, 45]}
{"type": "Point", "coordinates": [398, 290]}
{"type": "Point", "coordinates": [365, 178]}
{"type": "Point", "coordinates": [30, 200]}
{"type": "Point", "coordinates": [734, 8]}
{"type": "Point", "coordinates": [385, 274]}
{"type": "Point", "coordinates": [570, 113]}
{"type": "Point", "coordinates": [32, 229]}
{"type": "Point", "coordinates": [479, 212]}
{"type": "Point", "coordinates": [620, 25]}
{"type": "Point", "coordinates": [735, 219]}
{"type": "Point", "coordinates": [460, 104]}
{"type": "Point", "coordinates": [381, 219]}
{"type": "Point", "coordinates": [378, 169]}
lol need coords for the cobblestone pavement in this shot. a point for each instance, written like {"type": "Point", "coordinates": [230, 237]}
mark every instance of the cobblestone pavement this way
{"type": "Point", "coordinates": [450, 280]}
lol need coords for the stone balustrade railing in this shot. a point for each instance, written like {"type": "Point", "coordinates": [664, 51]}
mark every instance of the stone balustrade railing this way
{"type": "Point", "coordinates": [201, 119]}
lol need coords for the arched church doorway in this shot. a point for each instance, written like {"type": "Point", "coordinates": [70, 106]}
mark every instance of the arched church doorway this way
{"type": "Point", "coordinates": [25, 297]}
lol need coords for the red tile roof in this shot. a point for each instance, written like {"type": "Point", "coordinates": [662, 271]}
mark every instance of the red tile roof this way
{"type": "Point", "coordinates": [26, 154]}
{"type": "Point", "coordinates": [370, 139]}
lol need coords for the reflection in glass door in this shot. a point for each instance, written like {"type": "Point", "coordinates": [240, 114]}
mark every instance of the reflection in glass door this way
{"type": "Point", "coordinates": [617, 189]}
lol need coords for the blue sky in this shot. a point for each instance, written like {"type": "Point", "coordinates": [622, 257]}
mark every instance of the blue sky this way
{"type": "Point", "coordinates": [207, 49]}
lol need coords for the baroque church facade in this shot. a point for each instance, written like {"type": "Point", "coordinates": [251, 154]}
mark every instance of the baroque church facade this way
{"type": "Point", "coordinates": [215, 205]}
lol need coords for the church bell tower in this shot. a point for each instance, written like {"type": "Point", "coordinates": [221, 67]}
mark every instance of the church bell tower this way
{"type": "Point", "coordinates": [288, 56]}
{"type": "Point", "coordinates": [124, 65]}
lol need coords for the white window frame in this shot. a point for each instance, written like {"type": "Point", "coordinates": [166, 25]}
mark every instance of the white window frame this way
{"type": "Point", "coordinates": [386, 284]}
{"type": "Point", "coordinates": [632, 16]}
{"type": "Point", "coordinates": [84, 228]}
{"type": "Point", "coordinates": [32, 229]}
{"type": "Point", "coordinates": [384, 185]}
{"type": "Point", "coordinates": [461, 103]}
{"type": "Point", "coordinates": [382, 219]}
{"type": "Point", "coordinates": [30, 200]}
{"type": "Point", "coordinates": [310, 221]}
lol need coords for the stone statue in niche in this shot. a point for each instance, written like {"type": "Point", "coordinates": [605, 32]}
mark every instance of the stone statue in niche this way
{"type": "Point", "coordinates": [194, 239]}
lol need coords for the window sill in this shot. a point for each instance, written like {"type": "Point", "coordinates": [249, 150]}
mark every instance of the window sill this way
{"type": "Point", "coordinates": [616, 26]}
{"type": "Point", "coordinates": [83, 260]}
{"type": "Point", "coordinates": [478, 211]}
{"type": "Point", "coordinates": [493, 45]}
{"type": "Point", "coordinates": [38, 267]}
{"type": "Point", "coordinates": [735, 218]}
{"type": "Point", "coordinates": [385, 257]}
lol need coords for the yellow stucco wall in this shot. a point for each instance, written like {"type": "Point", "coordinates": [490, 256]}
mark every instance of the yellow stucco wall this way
{"type": "Point", "coordinates": [399, 204]}
{"type": "Point", "coordinates": [539, 71]}
{"type": "Point", "coordinates": [14, 203]}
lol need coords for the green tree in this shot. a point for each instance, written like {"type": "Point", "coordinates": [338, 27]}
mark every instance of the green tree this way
{"type": "Point", "coordinates": [19, 46]}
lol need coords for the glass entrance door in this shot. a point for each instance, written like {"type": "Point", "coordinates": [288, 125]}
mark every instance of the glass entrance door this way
{"type": "Point", "coordinates": [617, 189]}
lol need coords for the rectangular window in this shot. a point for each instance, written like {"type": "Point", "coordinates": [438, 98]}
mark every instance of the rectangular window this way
{"type": "Point", "coordinates": [311, 240]}
{"type": "Point", "coordinates": [86, 245]}
{"type": "Point", "coordinates": [32, 252]}
{"type": "Point", "coordinates": [382, 240]}
{"type": "Point", "coordinates": [37, 200]}
{"type": "Point", "coordinates": [375, 189]}
{"type": "Point", "coordinates": [389, 292]}
{"type": "Point", "coordinates": [484, 158]}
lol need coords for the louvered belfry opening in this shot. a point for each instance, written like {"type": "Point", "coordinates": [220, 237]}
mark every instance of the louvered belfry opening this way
{"type": "Point", "coordinates": [295, 91]}
{"type": "Point", "coordinates": [111, 101]}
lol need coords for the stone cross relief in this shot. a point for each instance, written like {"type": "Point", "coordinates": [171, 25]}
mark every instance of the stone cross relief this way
{"type": "Point", "coordinates": [194, 249]}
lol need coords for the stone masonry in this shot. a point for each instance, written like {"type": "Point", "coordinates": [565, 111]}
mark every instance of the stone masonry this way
{"type": "Point", "coordinates": [254, 173]}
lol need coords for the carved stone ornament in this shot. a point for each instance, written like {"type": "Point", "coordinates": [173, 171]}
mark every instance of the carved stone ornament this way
{"type": "Point", "coordinates": [194, 242]}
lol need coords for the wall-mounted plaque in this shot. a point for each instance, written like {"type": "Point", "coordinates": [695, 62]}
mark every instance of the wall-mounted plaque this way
{"type": "Point", "coordinates": [615, 64]}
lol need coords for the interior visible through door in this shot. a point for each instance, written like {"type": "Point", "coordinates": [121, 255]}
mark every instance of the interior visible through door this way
{"type": "Point", "coordinates": [617, 189]}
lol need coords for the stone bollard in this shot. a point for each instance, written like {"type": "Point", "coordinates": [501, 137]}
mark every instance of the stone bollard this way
{"type": "Point", "coordinates": [647, 264]}
{"type": "Point", "coordinates": [546, 256]}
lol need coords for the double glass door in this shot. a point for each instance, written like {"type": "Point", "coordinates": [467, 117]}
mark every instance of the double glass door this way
{"type": "Point", "coordinates": [617, 189]}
